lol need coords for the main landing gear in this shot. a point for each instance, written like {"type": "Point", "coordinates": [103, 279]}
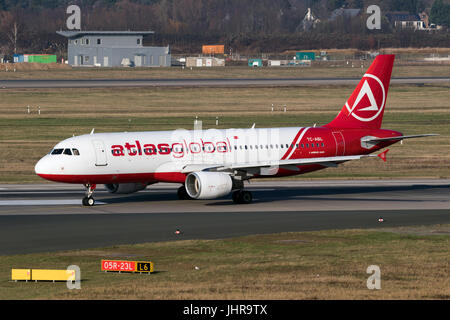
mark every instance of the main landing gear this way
{"type": "Point", "coordinates": [239, 196]}
{"type": "Point", "coordinates": [242, 197]}
{"type": "Point", "coordinates": [182, 193]}
{"type": "Point", "coordinates": [88, 200]}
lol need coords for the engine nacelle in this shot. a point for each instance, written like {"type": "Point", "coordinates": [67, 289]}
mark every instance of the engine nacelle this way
{"type": "Point", "coordinates": [124, 188]}
{"type": "Point", "coordinates": [208, 185]}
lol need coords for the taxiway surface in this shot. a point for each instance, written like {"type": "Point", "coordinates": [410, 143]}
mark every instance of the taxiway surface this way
{"type": "Point", "coordinates": [49, 217]}
{"type": "Point", "coordinates": [213, 82]}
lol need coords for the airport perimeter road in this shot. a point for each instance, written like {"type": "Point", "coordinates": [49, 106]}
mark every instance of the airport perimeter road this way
{"type": "Point", "coordinates": [99, 83]}
{"type": "Point", "coordinates": [42, 218]}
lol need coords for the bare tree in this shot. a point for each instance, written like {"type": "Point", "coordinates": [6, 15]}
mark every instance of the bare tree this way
{"type": "Point", "coordinates": [12, 26]}
{"type": "Point", "coordinates": [3, 51]}
{"type": "Point", "coordinates": [13, 35]}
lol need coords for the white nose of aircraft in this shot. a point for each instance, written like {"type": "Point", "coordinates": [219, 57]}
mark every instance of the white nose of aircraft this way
{"type": "Point", "coordinates": [43, 166]}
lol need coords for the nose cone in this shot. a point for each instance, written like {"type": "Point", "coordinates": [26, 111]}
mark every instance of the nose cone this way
{"type": "Point", "coordinates": [42, 167]}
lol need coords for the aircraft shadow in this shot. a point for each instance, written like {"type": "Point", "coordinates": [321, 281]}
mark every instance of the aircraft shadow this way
{"type": "Point", "coordinates": [289, 193]}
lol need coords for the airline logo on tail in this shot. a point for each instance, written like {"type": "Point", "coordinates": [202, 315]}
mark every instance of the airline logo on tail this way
{"type": "Point", "coordinates": [365, 107]}
{"type": "Point", "coordinates": [367, 103]}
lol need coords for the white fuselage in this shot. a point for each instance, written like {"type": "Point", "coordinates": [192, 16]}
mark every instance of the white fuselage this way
{"type": "Point", "coordinates": [163, 155]}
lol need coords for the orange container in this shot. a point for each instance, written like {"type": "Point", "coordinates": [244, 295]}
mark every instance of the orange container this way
{"type": "Point", "coordinates": [214, 49]}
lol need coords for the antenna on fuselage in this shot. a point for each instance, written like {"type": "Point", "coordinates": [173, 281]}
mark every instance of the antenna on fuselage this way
{"type": "Point", "coordinates": [92, 132]}
{"type": "Point", "coordinates": [253, 126]}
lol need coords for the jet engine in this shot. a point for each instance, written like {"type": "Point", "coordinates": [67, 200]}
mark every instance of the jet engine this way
{"type": "Point", "coordinates": [123, 188]}
{"type": "Point", "coordinates": [208, 185]}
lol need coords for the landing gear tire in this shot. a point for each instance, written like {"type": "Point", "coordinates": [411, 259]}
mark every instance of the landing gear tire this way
{"type": "Point", "coordinates": [235, 196]}
{"type": "Point", "coordinates": [88, 201]}
{"type": "Point", "coordinates": [242, 197]}
{"type": "Point", "coordinates": [182, 193]}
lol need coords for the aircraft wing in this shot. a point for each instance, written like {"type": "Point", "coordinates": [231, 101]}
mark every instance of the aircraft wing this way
{"type": "Point", "coordinates": [198, 167]}
{"type": "Point", "coordinates": [285, 164]}
{"type": "Point", "coordinates": [291, 164]}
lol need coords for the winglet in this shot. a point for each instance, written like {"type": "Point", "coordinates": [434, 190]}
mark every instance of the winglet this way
{"type": "Point", "coordinates": [383, 155]}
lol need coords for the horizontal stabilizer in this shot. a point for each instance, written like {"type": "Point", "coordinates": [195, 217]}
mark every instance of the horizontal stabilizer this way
{"type": "Point", "coordinates": [399, 137]}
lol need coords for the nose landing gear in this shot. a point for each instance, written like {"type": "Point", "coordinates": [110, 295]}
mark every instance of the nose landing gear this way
{"type": "Point", "coordinates": [88, 200]}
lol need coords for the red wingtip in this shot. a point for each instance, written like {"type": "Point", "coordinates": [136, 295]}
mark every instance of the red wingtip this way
{"type": "Point", "coordinates": [383, 155]}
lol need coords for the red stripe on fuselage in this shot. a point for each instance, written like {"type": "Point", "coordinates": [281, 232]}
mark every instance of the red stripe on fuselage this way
{"type": "Point", "coordinates": [175, 177]}
{"type": "Point", "coordinates": [292, 144]}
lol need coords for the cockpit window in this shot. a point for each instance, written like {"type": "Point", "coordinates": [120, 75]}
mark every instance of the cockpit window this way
{"type": "Point", "coordinates": [57, 151]}
{"type": "Point", "coordinates": [66, 151]}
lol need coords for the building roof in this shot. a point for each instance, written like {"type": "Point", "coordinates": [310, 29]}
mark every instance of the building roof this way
{"type": "Point", "coordinates": [402, 16]}
{"type": "Point", "coordinates": [344, 12]}
{"type": "Point", "coordinates": [76, 33]}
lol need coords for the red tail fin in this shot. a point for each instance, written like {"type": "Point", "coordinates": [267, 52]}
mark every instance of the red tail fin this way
{"type": "Point", "coordinates": [365, 107]}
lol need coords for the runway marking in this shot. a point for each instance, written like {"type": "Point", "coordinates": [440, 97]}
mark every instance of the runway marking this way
{"type": "Point", "coordinates": [49, 202]}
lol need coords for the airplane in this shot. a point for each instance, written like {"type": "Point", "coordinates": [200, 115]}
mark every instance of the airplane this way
{"type": "Point", "coordinates": [213, 163]}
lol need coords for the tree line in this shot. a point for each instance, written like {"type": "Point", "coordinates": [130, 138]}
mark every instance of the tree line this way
{"type": "Point", "coordinates": [243, 25]}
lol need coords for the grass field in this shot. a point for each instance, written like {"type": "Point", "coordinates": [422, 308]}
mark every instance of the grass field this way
{"type": "Point", "coordinates": [325, 69]}
{"type": "Point", "coordinates": [308, 265]}
{"type": "Point", "coordinates": [24, 138]}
